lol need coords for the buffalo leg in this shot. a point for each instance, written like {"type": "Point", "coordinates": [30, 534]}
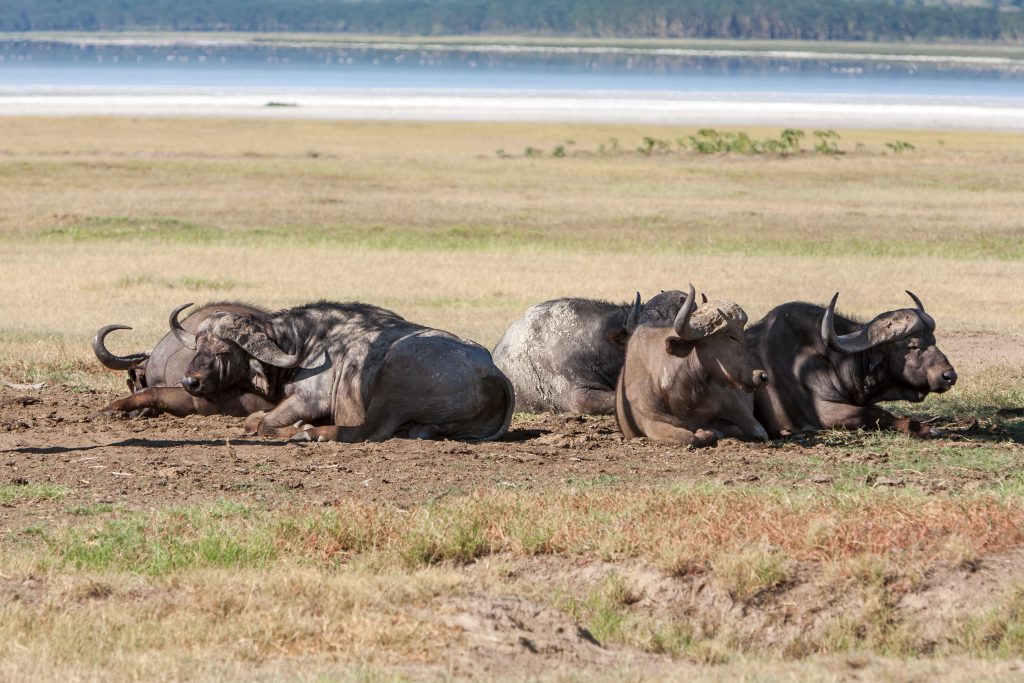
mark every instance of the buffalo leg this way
{"type": "Point", "coordinates": [735, 409]}
{"type": "Point", "coordinates": [594, 401]}
{"type": "Point", "coordinates": [363, 432]}
{"type": "Point", "coordinates": [173, 400]}
{"type": "Point", "coordinates": [662, 431]}
{"type": "Point", "coordinates": [281, 421]}
{"type": "Point", "coordinates": [838, 416]}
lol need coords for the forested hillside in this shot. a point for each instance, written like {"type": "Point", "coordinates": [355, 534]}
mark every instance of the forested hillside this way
{"type": "Point", "coordinates": [992, 20]}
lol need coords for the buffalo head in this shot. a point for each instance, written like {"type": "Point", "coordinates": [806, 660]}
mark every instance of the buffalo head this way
{"type": "Point", "coordinates": [714, 334]}
{"type": "Point", "coordinates": [230, 352]}
{"type": "Point", "coordinates": [903, 362]}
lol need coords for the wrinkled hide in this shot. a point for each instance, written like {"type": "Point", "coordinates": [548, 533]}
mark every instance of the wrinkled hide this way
{"type": "Point", "coordinates": [685, 383]}
{"type": "Point", "coordinates": [815, 384]}
{"type": "Point", "coordinates": [565, 355]}
{"type": "Point", "coordinates": [352, 372]}
{"type": "Point", "coordinates": [155, 377]}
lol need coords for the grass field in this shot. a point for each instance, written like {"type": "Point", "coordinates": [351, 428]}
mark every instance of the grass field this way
{"type": "Point", "coordinates": [120, 220]}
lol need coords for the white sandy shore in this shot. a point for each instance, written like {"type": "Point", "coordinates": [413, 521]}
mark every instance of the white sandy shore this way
{"type": "Point", "coordinates": [779, 109]}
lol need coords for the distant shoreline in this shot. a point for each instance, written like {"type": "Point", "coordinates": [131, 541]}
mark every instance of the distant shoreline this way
{"type": "Point", "coordinates": [989, 56]}
{"type": "Point", "coordinates": [780, 109]}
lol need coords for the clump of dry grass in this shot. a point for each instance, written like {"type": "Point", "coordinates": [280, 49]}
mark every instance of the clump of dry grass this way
{"type": "Point", "coordinates": [747, 573]}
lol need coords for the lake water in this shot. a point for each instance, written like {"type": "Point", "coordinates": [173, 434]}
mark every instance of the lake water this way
{"type": "Point", "coordinates": [511, 83]}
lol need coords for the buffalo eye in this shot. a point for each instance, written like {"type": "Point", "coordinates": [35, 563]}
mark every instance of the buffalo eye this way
{"type": "Point", "coordinates": [913, 344]}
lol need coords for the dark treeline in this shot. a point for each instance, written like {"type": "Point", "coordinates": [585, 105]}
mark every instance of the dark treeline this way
{"type": "Point", "coordinates": [870, 20]}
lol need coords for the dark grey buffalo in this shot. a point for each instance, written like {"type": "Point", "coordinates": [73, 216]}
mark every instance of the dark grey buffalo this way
{"type": "Point", "coordinates": [683, 382]}
{"type": "Point", "coordinates": [827, 371]}
{"type": "Point", "coordinates": [155, 376]}
{"type": "Point", "coordinates": [565, 355]}
{"type": "Point", "coordinates": [356, 371]}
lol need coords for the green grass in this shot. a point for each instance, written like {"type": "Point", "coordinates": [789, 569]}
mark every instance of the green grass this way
{"type": "Point", "coordinates": [999, 632]}
{"type": "Point", "coordinates": [213, 536]}
{"type": "Point", "coordinates": [967, 244]}
{"type": "Point", "coordinates": [13, 494]}
{"type": "Point", "coordinates": [747, 574]}
{"type": "Point", "coordinates": [612, 524]}
{"type": "Point", "coordinates": [92, 228]}
{"type": "Point", "coordinates": [187, 283]}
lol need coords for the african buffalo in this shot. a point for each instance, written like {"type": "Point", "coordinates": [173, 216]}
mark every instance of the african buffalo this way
{"type": "Point", "coordinates": [827, 371]}
{"type": "Point", "coordinates": [565, 355]}
{"type": "Point", "coordinates": [155, 376]}
{"type": "Point", "coordinates": [357, 371]}
{"type": "Point", "coordinates": [682, 383]}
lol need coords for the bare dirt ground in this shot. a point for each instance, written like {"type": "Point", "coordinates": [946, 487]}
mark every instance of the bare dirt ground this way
{"type": "Point", "coordinates": [55, 436]}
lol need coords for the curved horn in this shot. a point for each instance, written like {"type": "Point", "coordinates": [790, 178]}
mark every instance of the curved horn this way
{"type": "Point", "coordinates": [683, 317]}
{"type": "Point", "coordinates": [920, 306]}
{"type": "Point", "coordinates": [187, 339]}
{"type": "Point", "coordinates": [844, 343]}
{"type": "Point", "coordinates": [885, 327]}
{"type": "Point", "coordinates": [703, 298]}
{"type": "Point", "coordinates": [107, 358]}
{"type": "Point", "coordinates": [260, 346]}
{"type": "Point", "coordinates": [928, 321]}
{"type": "Point", "coordinates": [633, 319]}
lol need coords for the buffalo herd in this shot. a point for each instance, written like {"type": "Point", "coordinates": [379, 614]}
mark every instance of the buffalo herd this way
{"type": "Point", "coordinates": [671, 370]}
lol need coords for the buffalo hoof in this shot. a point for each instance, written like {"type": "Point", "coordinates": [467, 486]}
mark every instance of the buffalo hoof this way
{"type": "Point", "coordinates": [301, 436]}
{"type": "Point", "coordinates": [760, 433]}
{"type": "Point", "coordinates": [705, 438]}
{"type": "Point", "coordinates": [118, 406]}
{"type": "Point", "coordinates": [916, 428]}
{"type": "Point", "coordinates": [252, 423]}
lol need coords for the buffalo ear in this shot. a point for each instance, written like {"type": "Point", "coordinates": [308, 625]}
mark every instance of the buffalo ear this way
{"type": "Point", "coordinates": [258, 378]}
{"type": "Point", "coordinates": [619, 337]}
{"type": "Point", "coordinates": [677, 346]}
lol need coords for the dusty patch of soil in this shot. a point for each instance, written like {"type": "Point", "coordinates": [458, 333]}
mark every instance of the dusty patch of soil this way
{"type": "Point", "coordinates": [490, 631]}
{"type": "Point", "coordinates": [970, 353]}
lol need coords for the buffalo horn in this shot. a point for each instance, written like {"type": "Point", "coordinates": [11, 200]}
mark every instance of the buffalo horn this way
{"type": "Point", "coordinates": [107, 358]}
{"type": "Point", "coordinates": [187, 339]}
{"type": "Point", "coordinates": [926, 319]}
{"type": "Point", "coordinates": [703, 298]}
{"type": "Point", "coordinates": [261, 347]}
{"type": "Point", "coordinates": [844, 343]}
{"type": "Point", "coordinates": [920, 306]}
{"type": "Point", "coordinates": [683, 317]}
{"type": "Point", "coordinates": [634, 315]}
{"type": "Point", "coordinates": [885, 327]}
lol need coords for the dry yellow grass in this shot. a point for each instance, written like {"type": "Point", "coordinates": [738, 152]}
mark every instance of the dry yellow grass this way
{"type": "Point", "coordinates": [119, 220]}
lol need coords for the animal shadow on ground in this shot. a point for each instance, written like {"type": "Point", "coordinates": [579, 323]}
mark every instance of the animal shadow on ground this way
{"type": "Point", "coordinates": [1004, 425]}
{"type": "Point", "coordinates": [142, 443]}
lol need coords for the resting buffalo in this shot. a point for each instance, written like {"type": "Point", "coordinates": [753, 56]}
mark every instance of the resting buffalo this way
{"type": "Point", "coordinates": [565, 355]}
{"type": "Point", "coordinates": [358, 371]}
{"type": "Point", "coordinates": [827, 371]}
{"type": "Point", "coordinates": [682, 383]}
{"type": "Point", "coordinates": [155, 376]}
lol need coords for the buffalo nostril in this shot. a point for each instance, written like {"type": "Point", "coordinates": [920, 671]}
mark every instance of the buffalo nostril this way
{"type": "Point", "coordinates": [949, 376]}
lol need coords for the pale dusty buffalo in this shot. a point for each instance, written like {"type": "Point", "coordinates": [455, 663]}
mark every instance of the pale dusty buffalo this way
{"type": "Point", "coordinates": [154, 377]}
{"type": "Point", "coordinates": [683, 383]}
{"type": "Point", "coordinates": [827, 371]}
{"type": "Point", "coordinates": [565, 355]}
{"type": "Point", "coordinates": [356, 371]}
